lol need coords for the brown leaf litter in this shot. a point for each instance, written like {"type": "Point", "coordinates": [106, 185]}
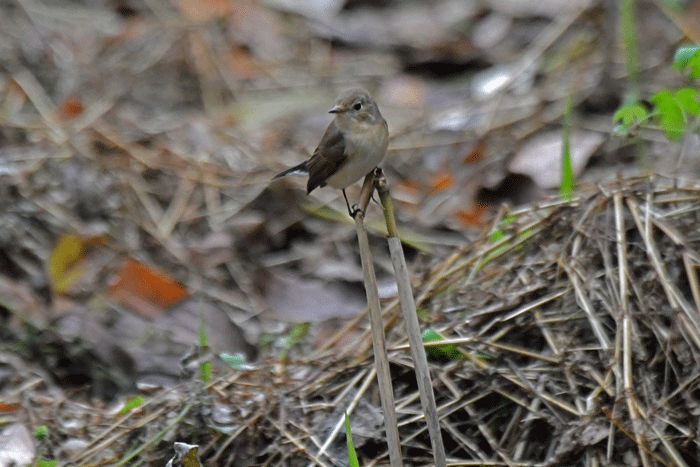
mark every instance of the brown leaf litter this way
{"type": "Point", "coordinates": [577, 334]}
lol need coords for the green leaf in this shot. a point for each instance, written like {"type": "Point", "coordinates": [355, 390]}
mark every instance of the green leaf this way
{"type": "Point", "coordinates": [694, 65]}
{"type": "Point", "coordinates": [205, 366]}
{"type": "Point", "coordinates": [688, 100]}
{"type": "Point", "coordinates": [130, 404]}
{"type": "Point", "coordinates": [509, 219]}
{"type": "Point", "coordinates": [202, 335]}
{"type": "Point", "coordinates": [237, 361]}
{"type": "Point", "coordinates": [41, 432]}
{"type": "Point", "coordinates": [688, 56]}
{"type": "Point", "coordinates": [352, 455]}
{"type": "Point", "coordinates": [630, 114]}
{"type": "Point", "coordinates": [205, 371]}
{"type": "Point", "coordinates": [449, 351]}
{"type": "Point", "coordinates": [498, 234]}
{"type": "Point", "coordinates": [431, 336]}
{"type": "Point", "coordinates": [669, 114]}
{"type": "Point", "coordinates": [299, 330]}
{"type": "Point", "coordinates": [683, 56]}
{"type": "Point", "coordinates": [45, 463]}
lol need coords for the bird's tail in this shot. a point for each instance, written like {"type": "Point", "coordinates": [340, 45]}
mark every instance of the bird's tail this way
{"type": "Point", "coordinates": [300, 169]}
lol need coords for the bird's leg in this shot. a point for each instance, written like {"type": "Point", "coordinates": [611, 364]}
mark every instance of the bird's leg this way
{"type": "Point", "coordinates": [377, 173]}
{"type": "Point", "coordinates": [351, 210]}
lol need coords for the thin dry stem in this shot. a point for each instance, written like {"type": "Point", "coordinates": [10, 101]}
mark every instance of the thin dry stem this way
{"type": "Point", "coordinates": [379, 344]}
{"type": "Point", "coordinates": [408, 309]}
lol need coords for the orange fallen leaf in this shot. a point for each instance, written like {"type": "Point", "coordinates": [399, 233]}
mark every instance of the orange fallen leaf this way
{"type": "Point", "coordinates": [243, 65]}
{"type": "Point", "coordinates": [476, 154]}
{"type": "Point", "coordinates": [473, 218]}
{"type": "Point", "coordinates": [6, 407]}
{"type": "Point", "coordinates": [71, 108]}
{"type": "Point", "coordinates": [442, 181]}
{"type": "Point", "coordinates": [146, 290]}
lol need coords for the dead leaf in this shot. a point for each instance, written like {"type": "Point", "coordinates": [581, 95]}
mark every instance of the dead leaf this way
{"type": "Point", "coordinates": [185, 456]}
{"type": "Point", "coordinates": [442, 181]}
{"type": "Point", "coordinates": [296, 299]}
{"type": "Point", "coordinates": [540, 158]}
{"type": "Point", "coordinates": [243, 65]}
{"type": "Point", "coordinates": [473, 218]}
{"type": "Point", "coordinates": [16, 446]}
{"type": "Point", "coordinates": [204, 10]}
{"type": "Point", "coordinates": [71, 108]}
{"type": "Point", "coordinates": [146, 290]}
{"type": "Point", "coordinates": [476, 153]}
{"type": "Point", "coordinates": [66, 262]}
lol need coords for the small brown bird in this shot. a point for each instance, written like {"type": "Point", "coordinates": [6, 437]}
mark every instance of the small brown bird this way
{"type": "Point", "coordinates": [354, 144]}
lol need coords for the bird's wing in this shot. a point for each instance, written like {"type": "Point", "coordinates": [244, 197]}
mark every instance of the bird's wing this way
{"type": "Point", "coordinates": [328, 157]}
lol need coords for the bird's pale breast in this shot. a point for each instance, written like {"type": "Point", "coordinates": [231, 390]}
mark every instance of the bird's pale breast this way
{"type": "Point", "coordinates": [366, 150]}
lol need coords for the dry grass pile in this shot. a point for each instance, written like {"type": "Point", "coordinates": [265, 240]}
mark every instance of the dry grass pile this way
{"type": "Point", "coordinates": [576, 338]}
{"type": "Point", "coordinates": [572, 334]}
{"type": "Point", "coordinates": [581, 333]}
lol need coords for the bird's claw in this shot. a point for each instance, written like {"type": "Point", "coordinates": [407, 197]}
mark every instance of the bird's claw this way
{"type": "Point", "coordinates": [355, 210]}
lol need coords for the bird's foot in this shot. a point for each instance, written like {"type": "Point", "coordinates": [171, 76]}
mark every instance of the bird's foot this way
{"type": "Point", "coordinates": [354, 211]}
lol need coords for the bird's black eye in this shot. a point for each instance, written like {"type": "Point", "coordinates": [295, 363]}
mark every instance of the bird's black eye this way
{"type": "Point", "coordinates": [357, 106]}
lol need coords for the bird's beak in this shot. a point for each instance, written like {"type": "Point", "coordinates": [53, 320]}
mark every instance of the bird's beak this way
{"type": "Point", "coordinates": [335, 110]}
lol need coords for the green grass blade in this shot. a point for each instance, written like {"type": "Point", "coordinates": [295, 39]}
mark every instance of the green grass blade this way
{"type": "Point", "coordinates": [352, 455]}
{"type": "Point", "coordinates": [566, 188]}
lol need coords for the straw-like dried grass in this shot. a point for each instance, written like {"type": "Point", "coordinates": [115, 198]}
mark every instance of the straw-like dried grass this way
{"type": "Point", "coordinates": [579, 337]}
{"type": "Point", "coordinates": [577, 342]}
